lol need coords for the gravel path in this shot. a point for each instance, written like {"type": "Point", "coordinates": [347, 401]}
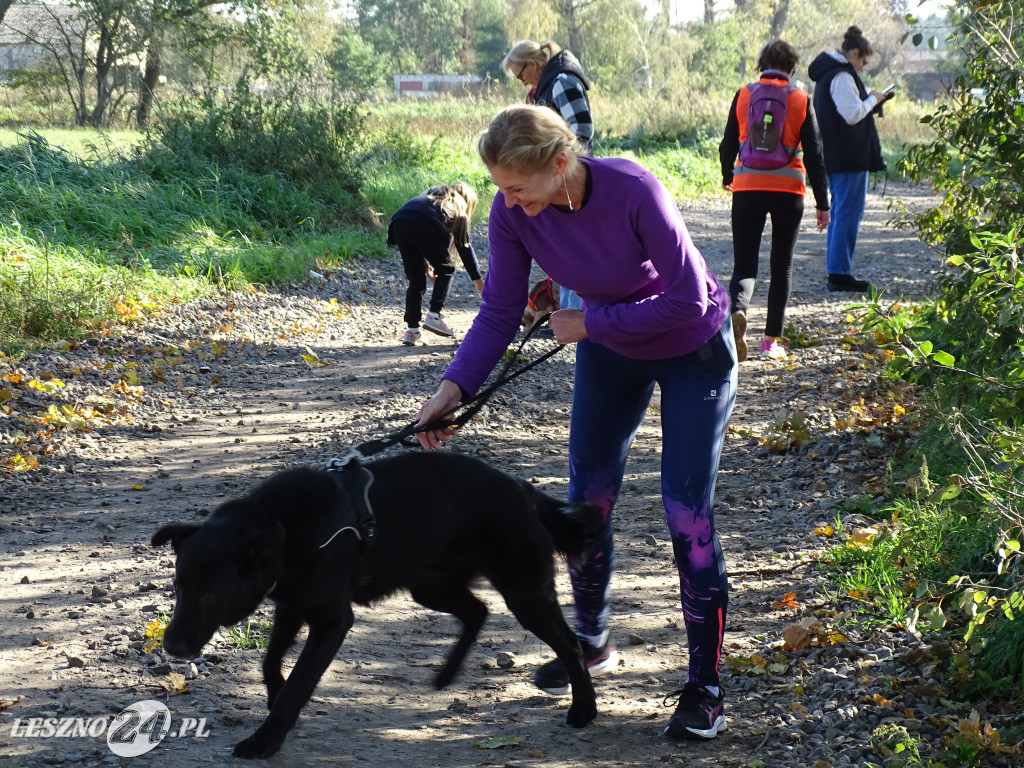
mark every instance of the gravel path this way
{"type": "Point", "coordinates": [200, 403]}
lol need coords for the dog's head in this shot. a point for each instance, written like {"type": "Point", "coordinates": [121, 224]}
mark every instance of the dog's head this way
{"type": "Point", "coordinates": [224, 569]}
{"type": "Point", "coordinates": [543, 300]}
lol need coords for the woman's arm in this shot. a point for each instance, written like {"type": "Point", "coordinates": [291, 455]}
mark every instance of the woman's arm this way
{"type": "Point", "coordinates": [814, 159]}
{"type": "Point", "coordinates": [570, 98]}
{"type": "Point", "coordinates": [730, 146]}
{"type": "Point", "coordinates": [847, 99]}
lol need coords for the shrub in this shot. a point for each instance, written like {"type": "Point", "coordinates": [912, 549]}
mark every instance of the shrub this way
{"type": "Point", "coordinates": [243, 144]}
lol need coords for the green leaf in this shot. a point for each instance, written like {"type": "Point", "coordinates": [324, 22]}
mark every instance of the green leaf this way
{"type": "Point", "coordinates": [944, 358]}
{"type": "Point", "coordinates": [951, 492]}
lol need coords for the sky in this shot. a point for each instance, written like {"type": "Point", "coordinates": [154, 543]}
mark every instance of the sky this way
{"type": "Point", "coordinates": [688, 10]}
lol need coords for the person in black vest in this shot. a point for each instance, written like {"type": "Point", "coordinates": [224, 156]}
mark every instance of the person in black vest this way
{"type": "Point", "coordinates": [428, 230]}
{"type": "Point", "coordinates": [845, 110]}
{"type": "Point", "coordinates": [558, 83]}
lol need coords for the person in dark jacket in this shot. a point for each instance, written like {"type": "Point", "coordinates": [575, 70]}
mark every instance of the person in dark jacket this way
{"type": "Point", "coordinates": [777, 192]}
{"type": "Point", "coordinates": [427, 230]}
{"type": "Point", "coordinates": [558, 83]}
{"type": "Point", "coordinates": [845, 110]}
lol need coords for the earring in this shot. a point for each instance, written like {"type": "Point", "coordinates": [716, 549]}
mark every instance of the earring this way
{"type": "Point", "coordinates": [567, 197]}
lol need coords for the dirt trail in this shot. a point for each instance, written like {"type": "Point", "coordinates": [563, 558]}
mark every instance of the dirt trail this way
{"type": "Point", "coordinates": [79, 583]}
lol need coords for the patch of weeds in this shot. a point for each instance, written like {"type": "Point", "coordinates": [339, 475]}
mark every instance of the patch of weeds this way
{"type": "Point", "coordinates": [797, 338]}
{"type": "Point", "coordinates": [511, 356]}
{"type": "Point", "coordinates": [890, 740]}
{"type": "Point", "coordinates": [255, 635]}
{"type": "Point", "coordinates": [787, 432]}
{"type": "Point", "coordinates": [867, 569]}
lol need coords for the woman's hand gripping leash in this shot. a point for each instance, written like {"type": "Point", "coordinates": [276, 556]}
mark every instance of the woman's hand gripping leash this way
{"type": "Point", "coordinates": [441, 406]}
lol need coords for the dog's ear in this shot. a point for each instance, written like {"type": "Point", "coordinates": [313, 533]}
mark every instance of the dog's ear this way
{"type": "Point", "coordinates": [174, 533]}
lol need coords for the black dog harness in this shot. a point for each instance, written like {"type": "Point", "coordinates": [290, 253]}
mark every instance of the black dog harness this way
{"type": "Point", "coordinates": [358, 517]}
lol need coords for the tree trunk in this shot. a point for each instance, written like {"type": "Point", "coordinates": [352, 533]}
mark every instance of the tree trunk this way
{"type": "Point", "coordinates": [150, 80]}
{"type": "Point", "coordinates": [709, 11]}
{"type": "Point", "coordinates": [781, 12]}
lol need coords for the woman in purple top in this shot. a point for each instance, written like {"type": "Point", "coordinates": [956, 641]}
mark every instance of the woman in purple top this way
{"type": "Point", "coordinates": [652, 314]}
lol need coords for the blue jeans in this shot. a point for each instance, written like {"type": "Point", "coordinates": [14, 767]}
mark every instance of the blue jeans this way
{"type": "Point", "coordinates": [849, 194]}
{"type": "Point", "coordinates": [611, 395]}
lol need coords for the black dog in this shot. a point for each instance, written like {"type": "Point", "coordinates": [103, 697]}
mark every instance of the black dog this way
{"type": "Point", "coordinates": [435, 522]}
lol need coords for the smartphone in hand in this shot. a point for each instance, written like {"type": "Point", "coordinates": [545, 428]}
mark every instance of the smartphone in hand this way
{"type": "Point", "coordinates": [889, 91]}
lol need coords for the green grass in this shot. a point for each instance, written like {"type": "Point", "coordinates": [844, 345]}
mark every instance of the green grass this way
{"type": "Point", "coordinates": [90, 220]}
{"type": "Point", "coordinates": [255, 634]}
{"type": "Point", "coordinates": [84, 143]}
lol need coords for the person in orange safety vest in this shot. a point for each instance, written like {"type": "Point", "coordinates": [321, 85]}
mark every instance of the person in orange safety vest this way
{"type": "Point", "coordinates": [764, 165]}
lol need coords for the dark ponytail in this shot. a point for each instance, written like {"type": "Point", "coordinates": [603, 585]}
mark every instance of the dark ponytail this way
{"type": "Point", "coordinates": [854, 38]}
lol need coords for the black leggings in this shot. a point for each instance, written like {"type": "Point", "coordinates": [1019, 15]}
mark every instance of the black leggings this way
{"type": "Point", "coordinates": [421, 241]}
{"type": "Point", "coordinates": [749, 212]}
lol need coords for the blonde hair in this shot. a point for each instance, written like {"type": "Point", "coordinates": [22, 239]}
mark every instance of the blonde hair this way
{"type": "Point", "coordinates": [527, 50]}
{"type": "Point", "coordinates": [527, 138]}
{"type": "Point", "coordinates": [456, 202]}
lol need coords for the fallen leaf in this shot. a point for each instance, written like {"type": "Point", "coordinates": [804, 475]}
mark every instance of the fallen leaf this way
{"type": "Point", "coordinates": [497, 742]}
{"type": "Point", "coordinates": [800, 636]}
{"type": "Point", "coordinates": [788, 602]}
{"type": "Point", "coordinates": [173, 683]}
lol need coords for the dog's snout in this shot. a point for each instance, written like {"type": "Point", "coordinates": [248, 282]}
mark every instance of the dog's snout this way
{"type": "Point", "coordinates": [179, 646]}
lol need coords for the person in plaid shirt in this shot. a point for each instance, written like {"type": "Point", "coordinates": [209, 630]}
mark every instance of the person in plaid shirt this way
{"type": "Point", "coordinates": [558, 83]}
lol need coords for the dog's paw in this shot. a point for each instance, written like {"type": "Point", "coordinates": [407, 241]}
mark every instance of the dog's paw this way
{"type": "Point", "coordinates": [581, 715]}
{"type": "Point", "coordinates": [256, 747]}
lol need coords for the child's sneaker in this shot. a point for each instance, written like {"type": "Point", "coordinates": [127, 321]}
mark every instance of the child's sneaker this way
{"type": "Point", "coordinates": [739, 333]}
{"type": "Point", "coordinates": [700, 714]}
{"type": "Point", "coordinates": [772, 349]}
{"type": "Point", "coordinates": [433, 323]}
{"type": "Point", "coordinates": [413, 338]}
{"type": "Point", "coordinates": [552, 677]}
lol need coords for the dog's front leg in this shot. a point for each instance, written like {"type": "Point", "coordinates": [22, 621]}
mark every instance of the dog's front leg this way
{"type": "Point", "coordinates": [287, 623]}
{"type": "Point", "coordinates": [326, 633]}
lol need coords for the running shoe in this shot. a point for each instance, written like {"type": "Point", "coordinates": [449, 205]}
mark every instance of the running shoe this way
{"type": "Point", "coordinates": [433, 323]}
{"type": "Point", "coordinates": [700, 714]}
{"type": "Point", "coordinates": [552, 677]}
{"type": "Point", "coordinates": [413, 338]}
{"type": "Point", "coordinates": [772, 349]}
{"type": "Point", "coordinates": [739, 332]}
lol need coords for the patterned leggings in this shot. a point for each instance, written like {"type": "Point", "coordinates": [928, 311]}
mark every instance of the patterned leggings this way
{"type": "Point", "coordinates": [612, 393]}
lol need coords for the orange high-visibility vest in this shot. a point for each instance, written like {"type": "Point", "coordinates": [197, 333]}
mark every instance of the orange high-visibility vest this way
{"type": "Point", "coordinates": [790, 178]}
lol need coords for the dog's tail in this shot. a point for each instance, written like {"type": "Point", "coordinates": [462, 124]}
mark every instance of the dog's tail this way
{"type": "Point", "coordinates": [574, 528]}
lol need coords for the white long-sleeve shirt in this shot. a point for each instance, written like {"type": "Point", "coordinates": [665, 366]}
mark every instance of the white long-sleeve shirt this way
{"type": "Point", "coordinates": [847, 98]}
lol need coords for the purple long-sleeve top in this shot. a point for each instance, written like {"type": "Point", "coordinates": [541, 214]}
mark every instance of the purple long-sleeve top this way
{"type": "Point", "coordinates": [646, 290]}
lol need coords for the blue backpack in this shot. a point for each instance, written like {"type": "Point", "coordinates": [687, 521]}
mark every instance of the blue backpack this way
{"type": "Point", "coordinates": [766, 116]}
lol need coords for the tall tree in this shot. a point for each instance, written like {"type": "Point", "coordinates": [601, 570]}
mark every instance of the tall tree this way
{"type": "Point", "coordinates": [418, 35]}
{"type": "Point", "coordinates": [156, 19]}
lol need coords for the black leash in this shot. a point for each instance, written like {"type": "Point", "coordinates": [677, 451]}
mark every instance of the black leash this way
{"type": "Point", "coordinates": [470, 408]}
